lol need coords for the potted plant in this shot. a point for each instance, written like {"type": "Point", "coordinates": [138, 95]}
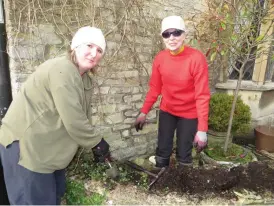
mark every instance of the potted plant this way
{"type": "Point", "coordinates": [219, 113]}
{"type": "Point", "coordinates": [220, 107]}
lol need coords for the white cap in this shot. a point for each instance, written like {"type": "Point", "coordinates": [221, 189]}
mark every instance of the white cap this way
{"type": "Point", "coordinates": [87, 35]}
{"type": "Point", "coordinates": [173, 22]}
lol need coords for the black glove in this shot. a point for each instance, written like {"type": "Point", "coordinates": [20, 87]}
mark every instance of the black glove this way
{"type": "Point", "coordinates": [139, 122]}
{"type": "Point", "coordinates": [101, 151]}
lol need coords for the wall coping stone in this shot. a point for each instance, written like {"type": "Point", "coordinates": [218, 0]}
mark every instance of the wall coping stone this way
{"type": "Point", "coordinates": [246, 85]}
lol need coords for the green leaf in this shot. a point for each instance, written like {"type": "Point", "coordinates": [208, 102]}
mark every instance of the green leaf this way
{"type": "Point", "coordinates": [194, 42]}
{"type": "Point", "coordinates": [259, 38]}
{"type": "Point", "coordinates": [213, 56]}
{"type": "Point", "coordinates": [272, 58]}
{"type": "Point", "coordinates": [234, 37]}
{"type": "Point", "coordinates": [223, 52]}
{"type": "Point", "coordinates": [223, 25]}
{"type": "Point", "coordinates": [227, 17]}
{"type": "Point", "coordinates": [214, 44]}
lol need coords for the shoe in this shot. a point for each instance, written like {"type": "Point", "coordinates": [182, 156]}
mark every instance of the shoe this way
{"type": "Point", "coordinates": [181, 165]}
{"type": "Point", "coordinates": [152, 159]}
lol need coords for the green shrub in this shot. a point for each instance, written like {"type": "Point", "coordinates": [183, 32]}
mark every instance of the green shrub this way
{"type": "Point", "coordinates": [76, 195]}
{"type": "Point", "coordinates": [219, 113]}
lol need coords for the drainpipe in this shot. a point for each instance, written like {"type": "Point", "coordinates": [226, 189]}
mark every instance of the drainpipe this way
{"type": "Point", "coordinates": [5, 85]}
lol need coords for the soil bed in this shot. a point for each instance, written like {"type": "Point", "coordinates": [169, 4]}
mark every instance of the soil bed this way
{"type": "Point", "coordinates": [256, 176]}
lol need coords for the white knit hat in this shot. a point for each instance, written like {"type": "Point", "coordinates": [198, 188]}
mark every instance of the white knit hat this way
{"type": "Point", "coordinates": [87, 35]}
{"type": "Point", "coordinates": [173, 22]}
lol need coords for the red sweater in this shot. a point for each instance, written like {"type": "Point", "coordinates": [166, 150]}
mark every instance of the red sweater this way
{"type": "Point", "coordinates": [182, 80]}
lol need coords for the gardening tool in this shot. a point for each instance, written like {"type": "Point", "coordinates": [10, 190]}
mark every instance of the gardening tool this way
{"type": "Point", "coordinates": [112, 172]}
{"type": "Point", "coordinates": [200, 160]}
{"type": "Point", "coordinates": [139, 168]}
{"type": "Point", "coordinates": [102, 154]}
{"type": "Point", "coordinates": [140, 125]}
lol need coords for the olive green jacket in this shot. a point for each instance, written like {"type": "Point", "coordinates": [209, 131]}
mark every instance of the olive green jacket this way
{"type": "Point", "coordinates": [49, 117]}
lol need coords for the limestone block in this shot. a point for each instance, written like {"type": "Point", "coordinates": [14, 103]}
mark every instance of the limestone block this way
{"type": "Point", "coordinates": [110, 108]}
{"type": "Point", "coordinates": [111, 48]}
{"type": "Point", "coordinates": [122, 107]}
{"type": "Point", "coordinates": [23, 66]}
{"type": "Point", "coordinates": [113, 138]}
{"type": "Point", "coordinates": [115, 37]}
{"type": "Point", "coordinates": [121, 127]}
{"type": "Point", "coordinates": [104, 90]}
{"type": "Point", "coordinates": [150, 140]}
{"type": "Point", "coordinates": [152, 114]}
{"type": "Point", "coordinates": [143, 40]}
{"type": "Point", "coordinates": [96, 90]}
{"type": "Point", "coordinates": [138, 105]}
{"type": "Point", "coordinates": [129, 120]}
{"type": "Point", "coordinates": [111, 82]}
{"type": "Point", "coordinates": [47, 34]}
{"type": "Point", "coordinates": [133, 98]}
{"type": "Point", "coordinates": [135, 90]}
{"type": "Point", "coordinates": [125, 133]}
{"type": "Point", "coordinates": [116, 143]}
{"type": "Point", "coordinates": [42, 34]}
{"type": "Point", "coordinates": [145, 58]}
{"type": "Point", "coordinates": [95, 99]}
{"type": "Point", "coordinates": [93, 110]}
{"type": "Point", "coordinates": [54, 50]}
{"type": "Point", "coordinates": [131, 113]}
{"type": "Point", "coordinates": [146, 70]}
{"type": "Point", "coordinates": [142, 149]}
{"type": "Point", "coordinates": [146, 129]}
{"type": "Point", "coordinates": [115, 99]}
{"type": "Point", "coordinates": [125, 153]}
{"type": "Point", "coordinates": [114, 118]}
{"type": "Point", "coordinates": [133, 81]}
{"type": "Point", "coordinates": [27, 52]}
{"type": "Point", "coordinates": [119, 90]}
{"type": "Point", "coordinates": [99, 80]}
{"type": "Point", "coordinates": [95, 119]}
{"type": "Point", "coordinates": [125, 74]}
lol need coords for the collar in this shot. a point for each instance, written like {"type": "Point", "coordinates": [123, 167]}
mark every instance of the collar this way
{"type": "Point", "coordinates": [87, 77]}
{"type": "Point", "coordinates": [178, 52]}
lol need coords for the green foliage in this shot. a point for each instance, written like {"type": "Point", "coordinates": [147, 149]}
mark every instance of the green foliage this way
{"type": "Point", "coordinates": [127, 175]}
{"type": "Point", "coordinates": [219, 114]}
{"type": "Point", "coordinates": [216, 152]}
{"type": "Point", "coordinates": [83, 167]}
{"type": "Point", "coordinates": [76, 195]}
{"type": "Point", "coordinates": [234, 30]}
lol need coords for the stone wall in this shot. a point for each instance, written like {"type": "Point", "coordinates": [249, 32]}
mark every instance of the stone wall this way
{"type": "Point", "coordinates": [42, 29]}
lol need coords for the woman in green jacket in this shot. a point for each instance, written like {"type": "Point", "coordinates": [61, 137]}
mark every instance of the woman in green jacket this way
{"type": "Point", "coordinates": [48, 120]}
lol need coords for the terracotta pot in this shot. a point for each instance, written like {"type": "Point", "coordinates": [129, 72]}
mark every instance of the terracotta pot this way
{"type": "Point", "coordinates": [264, 138]}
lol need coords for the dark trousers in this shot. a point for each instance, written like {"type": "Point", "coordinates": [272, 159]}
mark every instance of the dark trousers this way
{"type": "Point", "coordinates": [185, 131]}
{"type": "Point", "coordinates": [26, 187]}
{"type": "Point", "coordinates": [4, 195]}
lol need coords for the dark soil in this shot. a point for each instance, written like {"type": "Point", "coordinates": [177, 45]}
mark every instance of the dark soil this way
{"type": "Point", "coordinates": [257, 177]}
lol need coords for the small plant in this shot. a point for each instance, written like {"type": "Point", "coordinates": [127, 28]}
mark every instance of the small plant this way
{"type": "Point", "coordinates": [76, 195]}
{"type": "Point", "coordinates": [128, 175]}
{"type": "Point", "coordinates": [234, 153]}
{"type": "Point", "coordinates": [220, 107]}
{"type": "Point", "coordinates": [143, 182]}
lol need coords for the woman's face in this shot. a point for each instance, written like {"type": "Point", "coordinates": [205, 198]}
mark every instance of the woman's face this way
{"type": "Point", "coordinates": [88, 56]}
{"type": "Point", "coordinates": [172, 41]}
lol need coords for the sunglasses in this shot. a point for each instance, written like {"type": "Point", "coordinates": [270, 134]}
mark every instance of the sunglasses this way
{"type": "Point", "coordinates": [175, 33]}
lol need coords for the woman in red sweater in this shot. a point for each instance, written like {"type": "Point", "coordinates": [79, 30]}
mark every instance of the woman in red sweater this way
{"type": "Point", "coordinates": [180, 76]}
